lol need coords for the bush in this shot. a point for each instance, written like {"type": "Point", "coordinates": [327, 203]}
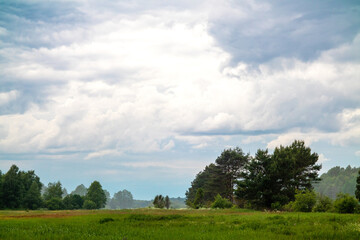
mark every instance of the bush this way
{"type": "Point", "coordinates": [88, 204]}
{"type": "Point", "coordinates": [345, 203]}
{"type": "Point", "coordinates": [323, 204]}
{"type": "Point", "coordinates": [221, 202]}
{"type": "Point", "coordinates": [304, 201]}
{"type": "Point", "coordinates": [54, 204]}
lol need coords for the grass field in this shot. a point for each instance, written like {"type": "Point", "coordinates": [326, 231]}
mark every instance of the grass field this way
{"type": "Point", "coordinates": [176, 224]}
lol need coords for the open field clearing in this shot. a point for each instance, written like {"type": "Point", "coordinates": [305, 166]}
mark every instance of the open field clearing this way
{"type": "Point", "coordinates": [176, 224]}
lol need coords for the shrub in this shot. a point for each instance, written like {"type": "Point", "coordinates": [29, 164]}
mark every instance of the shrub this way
{"type": "Point", "coordinates": [304, 201]}
{"type": "Point", "coordinates": [221, 202]}
{"type": "Point", "coordinates": [345, 203]}
{"type": "Point", "coordinates": [323, 204]}
{"type": "Point", "coordinates": [276, 206]}
{"type": "Point", "coordinates": [54, 204]}
{"type": "Point", "coordinates": [199, 199]}
{"type": "Point", "coordinates": [105, 220]}
{"type": "Point", "coordinates": [88, 204]}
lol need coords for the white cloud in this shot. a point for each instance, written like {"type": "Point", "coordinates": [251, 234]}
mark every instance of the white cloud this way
{"type": "Point", "coordinates": [137, 83]}
{"type": "Point", "coordinates": [103, 153]}
{"type": "Point", "coordinates": [6, 97]}
{"type": "Point", "coordinates": [322, 158]}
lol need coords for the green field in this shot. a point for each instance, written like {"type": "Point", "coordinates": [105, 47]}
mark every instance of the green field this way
{"type": "Point", "coordinates": [176, 224]}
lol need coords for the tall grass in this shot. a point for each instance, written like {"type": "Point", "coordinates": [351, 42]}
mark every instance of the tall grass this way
{"type": "Point", "coordinates": [176, 224]}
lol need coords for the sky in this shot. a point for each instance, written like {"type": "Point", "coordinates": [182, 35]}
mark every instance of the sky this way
{"type": "Point", "coordinates": [143, 94]}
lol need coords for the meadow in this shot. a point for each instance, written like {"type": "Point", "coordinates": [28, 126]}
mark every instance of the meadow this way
{"type": "Point", "coordinates": [176, 224]}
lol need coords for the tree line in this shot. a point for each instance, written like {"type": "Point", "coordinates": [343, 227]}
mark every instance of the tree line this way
{"type": "Point", "coordinates": [338, 180]}
{"type": "Point", "coordinates": [264, 181]}
{"type": "Point", "coordinates": [23, 190]}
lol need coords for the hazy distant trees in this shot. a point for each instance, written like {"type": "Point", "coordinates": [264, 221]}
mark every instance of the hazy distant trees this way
{"type": "Point", "coordinates": [80, 190]}
{"type": "Point", "coordinates": [338, 180]}
{"type": "Point", "coordinates": [122, 199]}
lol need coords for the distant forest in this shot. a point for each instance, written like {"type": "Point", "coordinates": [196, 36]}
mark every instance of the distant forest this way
{"type": "Point", "coordinates": [23, 190]}
{"type": "Point", "coordinates": [338, 180]}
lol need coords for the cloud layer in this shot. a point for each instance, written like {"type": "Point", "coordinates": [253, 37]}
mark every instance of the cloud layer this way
{"type": "Point", "coordinates": [113, 79]}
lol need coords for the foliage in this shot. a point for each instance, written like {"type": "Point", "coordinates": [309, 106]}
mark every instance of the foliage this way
{"type": "Point", "coordinates": [304, 201]}
{"type": "Point", "coordinates": [88, 204]}
{"type": "Point", "coordinates": [218, 178]}
{"type": "Point", "coordinates": [269, 179]}
{"type": "Point", "coordinates": [122, 199]}
{"type": "Point", "coordinates": [80, 190]}
{"type": "Point", "coordinates": [338, 180]}
{"type": "Point", "coordinates": [221, 202]}
{"type": "Point", "coordinates": [199, 199]}
{"type": "Point", "coordinates": [54, 204]}
{"type": "Point", "coordinates": [96, 194]}
{"type": "Point", "coordinates": [167, 202]}
{"type": "Point", "coordinates": [73, 201]}
{"type": "Point", "coordinates": [231, 162]}
{"type": "Point", "coordinates": [53, 190]}
{"type": "Point", "coordinates": [323, 204]}
{"type": "Point", "coordinates": [17, 187]}
{"type": "Point", "coordinates": [33, 198]}
{"type": "Point", "coordinates": [357, 192]}
{"type": "Point", "coordinates": [159, 201]}
{"type": "Point", "coordinates": [345, 203]}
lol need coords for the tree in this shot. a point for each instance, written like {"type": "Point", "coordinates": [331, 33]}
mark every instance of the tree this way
{"type": "Point", "coordinates": [323, 204]}
{"type": "Point", "coordinates": [80, 190]}
{"type": "Point", "coordinates": [231, 162]}
{"type": "Point", "coordinates": [96, 194]}
{"type": "Point", "coordinates": [221, 202]}
{"type": "Point", "coordinates": [167, 202]}
{"type": "Point", "coordinates": [199, 199]}
{"type": "Point", "coordinates": [1, 191]}
{"type": "Point", "coordinates": [159, 201]}
{"type": "Point", "coordinates": [33, 198]}
{"type": "Point", "coordinates": [73, 201]}
{"type": "Point", "coordinates": [270, 180]}
{"type": "Point", "coordinates": [54, 204]}
{"type": "Point", "coordinates": [88, 204]}
{"type": "Point", "coordinates": [122, 199]}
{"type": "Point", "coordinates": [257, 179]}
{"type": "Point", "coordinates": [304, 201]}
{"type": "Point", "coordinates": [357, 192]}
{"type": "Point", "coordinates": [13, 189]}
{"type": "Point", "coordinates": [53, 190]}
{"type": "Point", "coordinates": [345, 203]}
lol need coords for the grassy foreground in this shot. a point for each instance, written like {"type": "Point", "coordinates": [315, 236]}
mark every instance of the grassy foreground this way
{"type": "Point", "coordinates": [176, 224]}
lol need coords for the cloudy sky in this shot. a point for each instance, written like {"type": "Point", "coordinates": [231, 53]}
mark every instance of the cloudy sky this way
{"type": "Point", "coordinates": [143, 94]}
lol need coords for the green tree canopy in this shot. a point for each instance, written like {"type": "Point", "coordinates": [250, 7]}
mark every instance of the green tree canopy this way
{"type": "Point", "coordinates": [17, 186]}
{"type": "Point", "coordinates": [96, 194]}
{"type": "Point", "coordinates": [122, 199]}
{"type": "Point", "coordinates": [274, 179]}
{"type": "Point", "coordinates": [53, 190]}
